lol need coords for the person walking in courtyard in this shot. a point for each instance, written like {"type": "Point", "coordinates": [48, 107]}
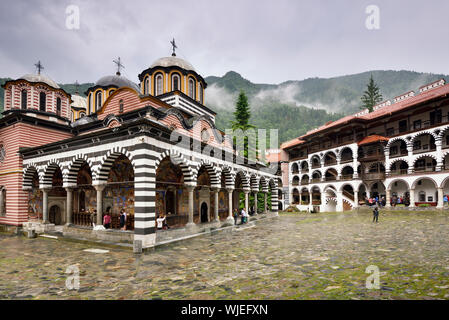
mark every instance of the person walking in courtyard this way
{"type": "Point", "coordinates": [243, 214]}
{"type": "Point", "coordinates": [107, 220]}
{"type": "Point", "coordinates": [122, 218]}
{"type": "Point", "coordinates": [375, 214]}
{"type": "Point", "coordinates": [235, 214]}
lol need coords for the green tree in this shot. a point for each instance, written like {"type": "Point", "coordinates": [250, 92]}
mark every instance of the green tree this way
{"type": "Point", "coordinates": [371, 96]}
{"type": "Point", "coordinates": [242, 114]}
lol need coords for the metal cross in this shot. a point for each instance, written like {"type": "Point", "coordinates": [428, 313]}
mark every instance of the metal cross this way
{"type": "Point", "coordinates": [39, 67]}
{"type": "Point", "coordinates": [173, 43]}
{"type": "Point", "coordinates": [119, 65]}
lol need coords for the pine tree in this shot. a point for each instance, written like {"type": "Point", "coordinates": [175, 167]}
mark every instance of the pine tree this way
{"type": "Point", "coordinates": [371, 96]}
{"type": "Point", "coordinates": [242, 113]}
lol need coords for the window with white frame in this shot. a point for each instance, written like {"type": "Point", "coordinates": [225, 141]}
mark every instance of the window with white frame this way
{"type": "Point", "coordinates": [98, 101]}
{"type": "Point", "coordinates": [175, 81]}
{"type": "Point", "coordinates": [158, 89]}
{"type": "Point", "coordinates": [192, 88]}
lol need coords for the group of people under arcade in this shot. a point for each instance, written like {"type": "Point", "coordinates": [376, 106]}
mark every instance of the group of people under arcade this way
{"type": "Point", "coordinates": [107, 219]}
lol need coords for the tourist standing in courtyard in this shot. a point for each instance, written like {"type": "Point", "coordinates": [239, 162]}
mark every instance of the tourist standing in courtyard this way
{"type": "Point", "coordinates": [107, 220]}
{"type": "Point", "coordinates": [160, 222]}
{"type": "Point", "coordinates": [236, 215]}
{"type": "Point", "coordinates": [375, 214]}
{"type": "Point", "coordinates": [243, 214]}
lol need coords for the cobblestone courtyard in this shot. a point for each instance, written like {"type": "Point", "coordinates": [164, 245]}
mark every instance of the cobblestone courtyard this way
{"type": "Point", "coordinates": [296, 256]}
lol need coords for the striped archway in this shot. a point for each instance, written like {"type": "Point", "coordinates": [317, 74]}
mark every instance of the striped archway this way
{"type": "Point", "coordinates": [74, 167]}
{"type": "Point", "coordinates": [101, 177]}
{"type": "Point", "coordinates": [49, 171]}
{"type": "Point", "coordinates": [211, 170]}
{"type": "Point", "coordinates": [188, 170]}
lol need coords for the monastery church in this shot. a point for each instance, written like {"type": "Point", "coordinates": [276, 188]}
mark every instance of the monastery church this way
{"type": "Point", "coordinates": [66, 160]}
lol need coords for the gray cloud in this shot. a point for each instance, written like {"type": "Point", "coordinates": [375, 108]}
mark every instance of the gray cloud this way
{"type": "Point", "coordinates": [267, 41]}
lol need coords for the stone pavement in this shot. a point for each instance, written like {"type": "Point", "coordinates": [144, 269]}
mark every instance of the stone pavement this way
{"type": "Point", "coordinates": [295, 256]}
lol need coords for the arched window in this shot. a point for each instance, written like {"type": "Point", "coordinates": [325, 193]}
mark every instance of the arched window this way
{"type": "Point", "coordinates": [58, 106]}
{"type": "Point", "coordinates": [158, 89]}
{"type": "Point", "coordinates": [82, 114]}
{"type": "Point", "coordinates": [175, 82]}
{"type": "Point", "coordinates": [121, 106]}
{"type": "Point", "coordinates": [146, 85]}
{"type": "Point", "coordinates": [192, 88]}
{"type": "Point", "coordinates": [24, 99]}
{"type": "Point", "coordinates": [89, 104]}
{"type": "Point", "coordinates": [201, 93]}
{"type": "Point", "coordinates": [42, 101]}
{"type": "Point", "coordinates": [98, 101]}
{"type": "Point", "coordinates": [111, 92]}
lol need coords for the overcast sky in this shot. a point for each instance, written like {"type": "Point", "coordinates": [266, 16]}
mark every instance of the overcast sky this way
{"type": "Point", "coordinates": [265, 41]}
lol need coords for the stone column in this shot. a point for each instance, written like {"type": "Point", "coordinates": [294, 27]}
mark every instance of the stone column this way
{"type": "Point", "coordinates": [310, 201]}
{"type": "Point", "coordinates": [388, 199]}
{"type": "Point", "coordinates": [410, 156]}
{"type": "Point", "coordinates": [190, 189]}
{"type": "Point", "coordinates": [440, 204]}
{"type": "Point", "coordinates": [69, 205]}
{"type": "Point", "coordinates": [438, 144]}
{"type": "Point", "coordinates": [387, 161]}
{"type": "Point", "coordinates": [100, 188]}
{"type": "Point", "coordinates": [246, 200]}
{"type": "Point", "coordinates": [412, 198]}
{"type": "Point", "coordinates": [356, 199]}
{"type": "Point", "coordinates": [354, 165]}
{"type": "Point", "coordinates": [217, 218]}
{"type": "Point", "coordinates": [265, 202]}
{"type": "Point", "coordinates": [45, 205]}
{"type": "Point", "coordinates": [230, 218]}
{"type": "Point", "coordinates": [255, 203]}
{"type": "Point", "coordinates": [339, 201]}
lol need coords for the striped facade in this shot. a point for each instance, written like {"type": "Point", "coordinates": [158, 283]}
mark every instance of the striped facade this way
{"type": "Point", "coordinates": [128, 124]}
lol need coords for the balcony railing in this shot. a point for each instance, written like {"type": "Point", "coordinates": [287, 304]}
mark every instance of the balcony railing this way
{"type": "Point", "coordinates": [332, 178]}
{"type": "Point", "coordinates": [425, 169]}
{"type": "Point", "coordinates": [304, 182]}
{"type": "Point", "coordinates": [346, 177]}
{"type": "Point", "coordinates": [399, 154]}
{"type": "Point", "coordinates": [346, 160]}
{"type": "Point", "coordinates": [314, 180]}
{"type": "Point", "coordinates": [424, 149]}
{"type": "Point", "coordinates": [374, 176]}
{"type": "Point", "coordinates": [398, 172]}
{"type": "Point", "coordinates": [330, 163]}
{"type": "Point", "coordinates": [316, 166]}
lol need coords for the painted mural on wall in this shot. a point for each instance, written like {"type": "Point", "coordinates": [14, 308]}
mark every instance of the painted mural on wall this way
{"type": "Point", "coordinates": [121, 186]}
{"type": "Point", "coordinates": [35, 199]}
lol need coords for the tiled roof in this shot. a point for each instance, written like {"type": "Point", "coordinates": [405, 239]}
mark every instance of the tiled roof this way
{"type": "Point", "coordinates": [387, 110]}
{"type": "Point", "coordinates": [372, 139]}
{"type": "Point", "coordinates": [291, 143]}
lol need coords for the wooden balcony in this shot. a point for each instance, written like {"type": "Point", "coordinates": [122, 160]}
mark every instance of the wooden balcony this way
{"type": "Point", "coordinates": [373, 176]}
{"type": "Point", "coordinates": [398, 172]}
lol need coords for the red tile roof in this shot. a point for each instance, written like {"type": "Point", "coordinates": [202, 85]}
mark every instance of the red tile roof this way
{"type": "Point", "coordinates": [372, 139]}
{"type": "Point", "coordinates": [294, 142]}
{"type": "Point", "coordinates": [387, 110]}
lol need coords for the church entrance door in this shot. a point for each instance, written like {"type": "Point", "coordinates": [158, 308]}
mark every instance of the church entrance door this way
{"type": "Point", "coordinates": [55, 215]}
{"type": "Point", "coordinates": [204, 212]}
